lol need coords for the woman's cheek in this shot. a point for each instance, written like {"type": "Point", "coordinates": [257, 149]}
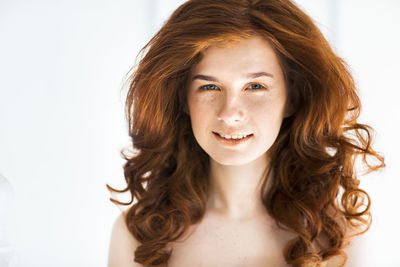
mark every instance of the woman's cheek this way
{"type": "Point", "coordinates": [200, 109]}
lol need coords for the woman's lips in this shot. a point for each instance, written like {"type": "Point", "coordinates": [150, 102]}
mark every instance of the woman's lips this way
{"type": "Point", "coordinates": [231, 133]}
{"type": "Point", "coordinates": [231, 142]}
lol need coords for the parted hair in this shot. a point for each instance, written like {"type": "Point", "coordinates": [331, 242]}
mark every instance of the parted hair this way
{"type": "Point", "coordinates": [314, 192]}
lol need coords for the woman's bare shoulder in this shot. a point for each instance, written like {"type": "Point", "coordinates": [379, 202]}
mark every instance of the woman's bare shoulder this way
{"type": "Point", "coordinates": [122, 245]}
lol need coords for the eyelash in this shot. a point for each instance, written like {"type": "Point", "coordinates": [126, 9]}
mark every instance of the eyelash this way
{"type": "Point", "coordinates": [203, 87]}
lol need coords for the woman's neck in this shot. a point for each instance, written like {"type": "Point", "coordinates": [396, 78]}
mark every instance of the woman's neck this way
{"type": "Point", "coordinates": [235, 191]}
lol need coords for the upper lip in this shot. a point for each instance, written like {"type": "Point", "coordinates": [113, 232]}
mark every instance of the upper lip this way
{"type": "Point", "coordinates": [232, 133]}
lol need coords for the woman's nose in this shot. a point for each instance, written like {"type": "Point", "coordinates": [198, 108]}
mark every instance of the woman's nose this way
{"type": "Point", "coordinates": [231, 109]}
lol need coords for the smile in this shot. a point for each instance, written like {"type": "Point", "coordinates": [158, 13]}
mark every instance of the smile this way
{"type": "Point", "coordinates": [232, 140]}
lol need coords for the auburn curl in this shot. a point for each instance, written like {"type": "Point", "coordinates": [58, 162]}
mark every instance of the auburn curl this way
{"type": "Point", "coordinates": [315, 190]}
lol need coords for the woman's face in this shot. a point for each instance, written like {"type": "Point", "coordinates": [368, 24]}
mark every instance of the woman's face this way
{"type": "Point", "coordinates": [237, 90]}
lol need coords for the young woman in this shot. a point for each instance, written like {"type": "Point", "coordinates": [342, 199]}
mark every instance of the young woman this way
{"type": "Point", "coordinates": [244, 126]}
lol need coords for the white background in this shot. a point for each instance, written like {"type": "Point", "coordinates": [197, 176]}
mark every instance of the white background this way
{"type": "Point", "coordinates": [62, 124]}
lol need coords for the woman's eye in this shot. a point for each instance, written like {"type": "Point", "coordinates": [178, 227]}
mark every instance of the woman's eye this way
{"type": "Point", "coordinates": [209, 87]}
{"type": "Point", "coordinates": [212, 87]}
{"type": "Point", "coordinates": [257, 86]}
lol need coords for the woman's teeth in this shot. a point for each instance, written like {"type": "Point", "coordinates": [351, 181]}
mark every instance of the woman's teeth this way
{"type": "Point", "coordinates": [233, 136]}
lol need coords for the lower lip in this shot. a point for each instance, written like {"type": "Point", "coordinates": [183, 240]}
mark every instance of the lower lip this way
{"type": "Point", "coordinates": [232, 142]}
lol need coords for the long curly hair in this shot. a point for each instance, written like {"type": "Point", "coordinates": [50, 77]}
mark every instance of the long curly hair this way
{"type": "Point", "coordinates": [314, 192]}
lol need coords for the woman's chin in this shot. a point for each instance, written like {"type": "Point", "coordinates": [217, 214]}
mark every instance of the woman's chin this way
{"type": "Point", "coordinates": [232, 160]}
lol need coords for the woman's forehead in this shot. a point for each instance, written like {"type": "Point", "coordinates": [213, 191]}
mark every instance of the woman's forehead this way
{"type": "Point", "coordinates": [246, 54]}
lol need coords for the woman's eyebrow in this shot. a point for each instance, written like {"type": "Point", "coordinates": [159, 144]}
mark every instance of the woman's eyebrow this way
{"type": "Point", "coordinates": [248, 75]}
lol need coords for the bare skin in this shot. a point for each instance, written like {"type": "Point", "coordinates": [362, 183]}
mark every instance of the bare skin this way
{"type": "Point", "coordinates": [218, 241]}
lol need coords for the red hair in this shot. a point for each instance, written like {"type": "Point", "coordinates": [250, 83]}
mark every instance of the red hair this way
{"type": "Point", "coordinates": [314, 190]}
